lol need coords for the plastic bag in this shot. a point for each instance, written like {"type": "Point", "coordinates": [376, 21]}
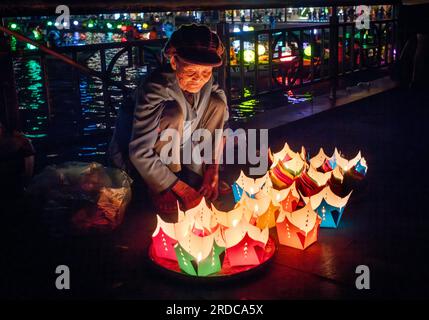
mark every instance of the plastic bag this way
{"type": "Point", "coordinates": [81, 198]}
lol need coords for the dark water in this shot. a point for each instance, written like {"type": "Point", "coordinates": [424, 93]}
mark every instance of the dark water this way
{"type": "Point", "coordinates": [73, 111]}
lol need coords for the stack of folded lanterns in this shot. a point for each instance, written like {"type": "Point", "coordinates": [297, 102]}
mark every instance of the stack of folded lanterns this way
{"type": "Point", "coordinates": [297, 196]}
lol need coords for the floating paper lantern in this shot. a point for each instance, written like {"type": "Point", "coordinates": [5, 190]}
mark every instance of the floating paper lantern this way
{"type": "Point", "coordinates": [263, 211]}
{"type": "Point", "coordinates": [284, 173]}
{"type": "Point", "coordinates": [245, 244]}
{"type": "Point", "coordinates": [286, 166]}
{"type": "Point", "coordinates": [231, 218]}
{"type": "Point", "coordinates": [329, 206]}
{"type": "Point", "coordinates": [284, 155]}
{"type": "Point", "coordinates": [318, 160]}
{"type": "Point", "coordinates": [290, 203]}
{"type": "Point", "coordinates": [200, 217]}
{"type": "Point", "coordinates": [198, 255]}
{"type": "Point", "coordinates": [361, 167]}
{"type": "Point", "coordinates": [276, 195]}
{"type": "Point", "coordinates": [336, 181]}
{"type": "Point", "coordinates": [312, 181]}
{"type": "Point", "coordinates": [248, 185]}
{"type": "Point", "coordinates": [287, 198]}
{"type": "Point", "coordinates": [298, 229]}
{"type": "Point", "coordinates": [164, 239]}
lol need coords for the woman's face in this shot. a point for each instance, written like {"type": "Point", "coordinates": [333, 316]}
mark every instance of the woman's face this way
{"type": "Point", "coordinates": [191, 77]}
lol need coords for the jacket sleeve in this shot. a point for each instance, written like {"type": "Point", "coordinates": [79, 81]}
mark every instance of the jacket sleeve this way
{"type": "Point", "coordinates": [216, 89]}
{"type": "Point", "coordinates": [147, 115]}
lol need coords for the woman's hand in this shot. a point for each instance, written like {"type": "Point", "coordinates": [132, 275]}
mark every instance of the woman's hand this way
{"type": "Point", "coordinates": [186, 195]}
{"type": "Point", "coordinates": [210, 185]}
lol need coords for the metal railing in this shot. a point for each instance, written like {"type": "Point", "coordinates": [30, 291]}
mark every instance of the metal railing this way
{"type": "Point", "coordinates": [281, 59]}
{"type": "Point", "coordinates": [257, 62]}
{"type": "Point", "coordinates": [115, 89]}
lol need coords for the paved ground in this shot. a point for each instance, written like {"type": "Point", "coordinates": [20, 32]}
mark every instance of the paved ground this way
{"type": "Point", "coordinates": [385, 225]}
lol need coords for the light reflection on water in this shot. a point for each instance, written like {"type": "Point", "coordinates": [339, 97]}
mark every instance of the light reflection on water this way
{"type": "Point", "coordinates": [31, 98]}
{"type": "Point", "coordinates": [34, 108]}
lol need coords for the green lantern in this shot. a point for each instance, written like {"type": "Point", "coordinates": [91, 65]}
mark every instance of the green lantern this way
{"type": "Point", "coordinates": [196, 266]}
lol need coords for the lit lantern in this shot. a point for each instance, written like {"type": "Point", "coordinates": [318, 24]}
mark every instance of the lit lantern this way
{"type": "Point", "coordinates": [263, 211]}
{"type": "Point", "coordinates": [293, 166]}
{"type": "Point", "coordinates": [340, 161]}
{"type": "Point", "coordinates": [298, 229]}
{"type": "Point", "coordinates": [287, 198]}
{"type": "Point", "coordinates": [275, 195]}
{"type": "Point", "coordinates": [318, 160]}
{"type": "Point", "coordinates": [329, 206]}
{"type": "Point", "coordinates": [249, 56]}
{"type": "Point", "coordinates": [164, 239]}
{"type": "Point", "coordinates": [336, 181]}
{"type": "Point", "coordinates": [245, 244]}
{"type": "Point", "coordinates": [360, 168]}
{"type": "Point", "coordinates": [291, 201]}
{"type": "Point", "coordinates": [248, 185]}
{"type": "Point", "coordinates": [196, 221]}
{"type": "Point", "coordinates": [198, 255]}
{"type": "Point", "coordinates": [307, 51]}
{"type": "Point", "coordinates": [284, 155]}
{"type": "Point", "coordinates": [284, 173]}
{"type": "Point", "coordinates": [286, 166]}
{"type": "Point", "coordinates": [261, 49]}
{"type": "Point", "coordinates": [357, 166]}
{"type": "Point", "coordinates": [312, 181]}
{"type": "Point", "coordinates": [231, 218]}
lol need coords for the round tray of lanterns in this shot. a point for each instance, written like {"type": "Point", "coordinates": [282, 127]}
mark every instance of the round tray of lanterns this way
{"type": "Point", "coordinates": [206, 243]}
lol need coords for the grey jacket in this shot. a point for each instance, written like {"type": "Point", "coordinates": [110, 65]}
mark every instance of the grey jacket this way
{"type": "Point", "coordinates": [161, 87]}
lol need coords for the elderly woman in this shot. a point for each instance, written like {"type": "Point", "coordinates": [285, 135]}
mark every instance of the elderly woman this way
{"type": "Point", "coordinates": [182, 98]}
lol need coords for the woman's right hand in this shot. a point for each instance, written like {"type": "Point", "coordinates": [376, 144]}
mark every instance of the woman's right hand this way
{"type": "Point", "coordinates": [187, 196]}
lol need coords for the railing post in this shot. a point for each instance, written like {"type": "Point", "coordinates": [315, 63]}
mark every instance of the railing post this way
{"type": "Point", "coordinates": [222, 29]}
{"type": "Point", "coordinates": [333, 53]}
{"type": "Point", "coordinates": [8, 96]}
{"type": "Point", "coordinates": [396, 48]}
{"type": "Point", "coordinates": [105, 88]}
{"type": "Point", "coordinates": [256, 73]}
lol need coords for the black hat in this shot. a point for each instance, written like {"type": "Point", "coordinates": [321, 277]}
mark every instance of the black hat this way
{"type": "Point", "coordinates": [195, 44]}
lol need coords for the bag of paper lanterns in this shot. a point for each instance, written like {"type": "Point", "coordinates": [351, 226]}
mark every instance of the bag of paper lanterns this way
{"type": "Point", "coordinates": [78, 198]}
{"type": "Point", "coordinates": [206, 241]}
